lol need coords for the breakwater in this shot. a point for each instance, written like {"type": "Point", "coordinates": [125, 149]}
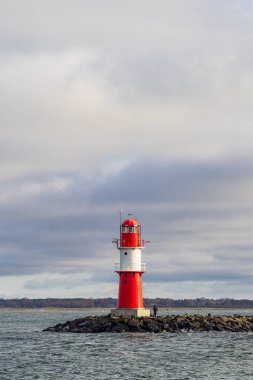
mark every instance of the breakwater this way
{"type": "Point", "coordinates": [168, 323]}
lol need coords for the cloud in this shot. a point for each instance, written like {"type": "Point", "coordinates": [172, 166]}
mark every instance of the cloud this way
{"type": "Point", "coordinates": [194, 182]}
{"type": "Point", "coordinates": [194, 276]}
{"type": "Point", "coordinates": [48, 285]}
{"type": "Point", "coordinates": [57, 281]}
{"type": "Point", "coordinates": [197, 216]}
{"type": "Point", "coordinates": [140, 107]}
{"type": "Point", "coordinates": [174, 83]}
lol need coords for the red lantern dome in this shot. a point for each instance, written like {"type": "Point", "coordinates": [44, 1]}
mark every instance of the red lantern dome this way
{"type": "Point", "coordinates": [130, 233]}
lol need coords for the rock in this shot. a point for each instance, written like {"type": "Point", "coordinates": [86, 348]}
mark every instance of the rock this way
{"type": "Point", "coordinates": [174, 326]}
{"type": "Point", "coordinates": [196, 325]}
{"type": "Point", "coordinates": [169, 323]}
{"type": "Point", "coordinates": [106, 327]}
{"type": "Point", "coordinates": [75, 330]}
{"type": "Point", "coordinates": [58, 327]}
{"type": "Point", "coordinates": [217, 327]}
{"type": "Point", "coordinates": [134, 325]}
{"type": "Point", "coordinates": [153, 327]}
{"type": "Point", "coordinates": [50, 329]}
{"type": "Point", "coordinates": [147, 320]}
{"type": "Point", "coordinates": [120, 327]}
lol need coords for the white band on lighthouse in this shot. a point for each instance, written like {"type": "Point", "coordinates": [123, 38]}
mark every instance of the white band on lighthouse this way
{"type": "Point", "coordinates": [130, 259]}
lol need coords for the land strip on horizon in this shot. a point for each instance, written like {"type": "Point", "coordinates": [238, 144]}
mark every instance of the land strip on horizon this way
{"type": "Point", "coordinates": [106, 303]}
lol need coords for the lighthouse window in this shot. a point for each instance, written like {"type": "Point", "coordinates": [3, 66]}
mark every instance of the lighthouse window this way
{"type": "Point", "coordinates": [125, 229]}
{"type": "Point", "coordinates": [125, 253]}
{"type": "Point", "coordinates": [133, 229]}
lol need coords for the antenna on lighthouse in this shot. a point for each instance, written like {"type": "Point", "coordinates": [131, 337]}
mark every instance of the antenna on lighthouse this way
{"type": "Point", "coordinates": [120, 217]}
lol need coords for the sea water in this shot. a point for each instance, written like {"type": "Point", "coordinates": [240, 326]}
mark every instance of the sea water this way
{"type": "Point", "coordinates": [28, 353]}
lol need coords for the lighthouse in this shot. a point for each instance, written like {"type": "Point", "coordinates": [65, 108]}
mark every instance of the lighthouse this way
{"type": "Point", "coordinates": [130, 270]}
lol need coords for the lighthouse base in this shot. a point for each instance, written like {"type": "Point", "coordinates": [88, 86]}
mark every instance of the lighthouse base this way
{"type": "Point", "coordinates": [140, 312]}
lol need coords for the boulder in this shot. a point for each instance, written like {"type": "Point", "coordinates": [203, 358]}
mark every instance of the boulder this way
{"type": "Point", "coordinates": [120, 327]}
{"type": "Point", "coordinates": [134, 325]}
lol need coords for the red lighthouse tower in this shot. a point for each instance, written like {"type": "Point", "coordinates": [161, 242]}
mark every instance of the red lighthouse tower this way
{"type": "Point", "coordinates": [130, 270]}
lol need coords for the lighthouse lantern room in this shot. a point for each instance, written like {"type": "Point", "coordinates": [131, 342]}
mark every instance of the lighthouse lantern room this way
{"type": "Point", "coordinates": [130, 270]}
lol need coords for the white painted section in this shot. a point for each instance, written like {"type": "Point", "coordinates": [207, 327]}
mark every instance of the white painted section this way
{"type": "Point", "coordinates": [130, 259]}
{"type": "Point", "coordinates": [117, 267]}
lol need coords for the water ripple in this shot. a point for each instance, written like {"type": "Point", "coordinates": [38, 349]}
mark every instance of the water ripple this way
{"type": "Point", "coordinates": [26, 353]}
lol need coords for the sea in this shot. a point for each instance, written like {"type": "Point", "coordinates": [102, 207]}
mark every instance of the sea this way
{"type": "Point", "coordinates": [28, 353]}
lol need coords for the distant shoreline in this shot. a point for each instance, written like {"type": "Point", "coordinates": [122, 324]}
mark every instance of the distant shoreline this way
{"type": "Point", "coordinates": [108, 303]}
{"type": "Point", "coordinates": [54, 309]}
{"type": "Point", "coordinates": [95, 309]}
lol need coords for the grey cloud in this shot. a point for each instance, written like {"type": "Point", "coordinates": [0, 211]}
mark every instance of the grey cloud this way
{"type": "Point", "coordinates": [94, 96]}
{"type": "Point", "coordinates": [182, 203]}
{"type": "Point", "coordinates": [149, 181]}
{"type": "Point", "coordinates": [156, 78]}
{"type": "Point", "coordinates": [49, 283]}
{"type": "Point", "coordinates": [68, 281]}
{"type": "Point", "coordinates": [74, 70]}
{"type": "Point", "coordinates": [48, 230]}
{"type": "Point", "coordinates": [58, 24]}
{"type": "Point", "coordinates": [202, 275]}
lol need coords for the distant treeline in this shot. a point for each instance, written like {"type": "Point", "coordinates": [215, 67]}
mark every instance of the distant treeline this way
{"type": "Point", "coordinates": [112, 302]}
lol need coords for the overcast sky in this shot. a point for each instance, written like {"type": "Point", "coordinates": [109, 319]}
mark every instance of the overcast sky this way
{"type": "Point", "coordinates": [144, 106]}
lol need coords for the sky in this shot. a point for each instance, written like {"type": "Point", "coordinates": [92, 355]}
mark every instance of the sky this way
{"type": "Point", "coordinates": [142, 106]}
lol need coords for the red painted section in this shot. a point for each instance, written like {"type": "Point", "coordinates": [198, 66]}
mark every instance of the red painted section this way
{"type": "Point", "coordinates": [130, 290]}
{"type": "Point", "coordinates": [130, 222]}
{"type": "Point", "coordinates": [130, 233]}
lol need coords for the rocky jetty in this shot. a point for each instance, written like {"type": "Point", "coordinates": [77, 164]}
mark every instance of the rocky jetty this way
{"type": "Point", "coordinates": [168, 323]}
